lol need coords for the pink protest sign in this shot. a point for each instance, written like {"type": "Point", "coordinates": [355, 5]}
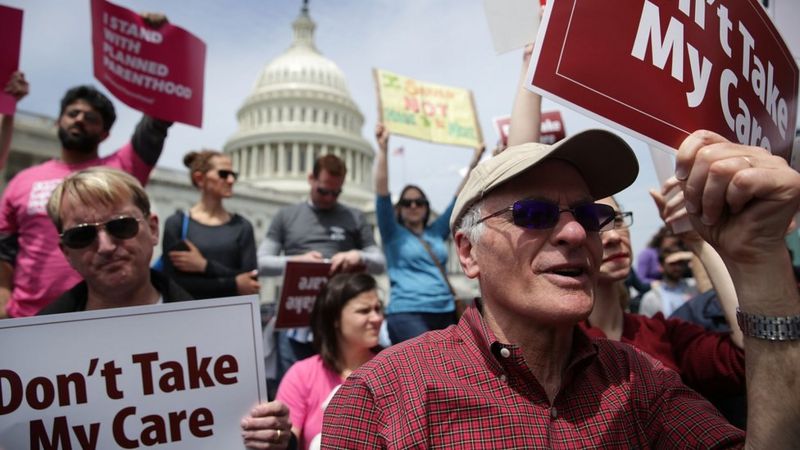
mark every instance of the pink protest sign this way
{"type": "Point", "coordinates": [302, 281]}
{"type": "Point", "coordinates": [661, 70]}
{"type": "Point", "coordinates": [157, 71]}
{"type": "Point", "coordinates": [10, 39]}
{"type": "Point", "coordinates": [552, 127]}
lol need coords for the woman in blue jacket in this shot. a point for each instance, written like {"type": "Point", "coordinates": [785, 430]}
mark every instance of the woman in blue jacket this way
{"type": "Point", "coordinates": [416, 253]}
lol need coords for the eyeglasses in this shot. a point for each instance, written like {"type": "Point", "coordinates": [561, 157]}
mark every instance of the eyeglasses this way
{"type": "Point", "coordinates": [406, 202]}
{"type": "Point", "coordinates": [122, 227]}
{"type": "Point", "coordinates": [541, 215]}
{"type": "Point", "coordinates": [224, 174]}
{"type": "Point", "coordinates": [326, 192]}
{"type": "Point", "coordinates": [623, 220]}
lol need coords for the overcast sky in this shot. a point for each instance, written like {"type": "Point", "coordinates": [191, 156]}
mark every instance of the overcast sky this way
{"type": "Point", "coordinates": [442, 41]}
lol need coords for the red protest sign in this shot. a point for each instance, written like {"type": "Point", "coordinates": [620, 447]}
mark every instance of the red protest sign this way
{"type": "Point", "coordinates": [10, 39]}
{"type": "Point", "coordinates": [662, 70]}
{"type": "Point", "coordinates": [302, 281]}
{"type": "Point", "coordinates": [551, 128]}
{"type": "Point", "coordinates": [159, 72]}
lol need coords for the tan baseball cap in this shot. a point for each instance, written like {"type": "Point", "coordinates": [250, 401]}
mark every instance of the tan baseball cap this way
{"type": "Point", "coordinates": [605, 161]}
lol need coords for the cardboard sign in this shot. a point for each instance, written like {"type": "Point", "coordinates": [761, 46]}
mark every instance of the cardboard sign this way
{"type": "Point", "coordinates": [10, 39]}
{"type": "Point", "coordinates": [551, 128]}
{"type": "Point", "coordinates": [179, 374]}
{"type": "Point", "coordinates": [427, 111]}
{"type": "Point", "coordinates": [512, 23]}
{"type": "Point", "coordinates": [158, 72]}
{"type": "Point", "coordinates": [661, 70]}
{"type": "Point", "coordinates": [302, 282]}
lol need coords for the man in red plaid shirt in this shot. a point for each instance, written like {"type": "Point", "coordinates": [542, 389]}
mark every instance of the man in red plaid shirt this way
{"type": "Point", "coordinates": [517, 372]}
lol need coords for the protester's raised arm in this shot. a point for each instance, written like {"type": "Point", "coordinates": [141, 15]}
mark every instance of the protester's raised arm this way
{"type": "Point", "coordinates": [17, 87]}
{"type": "Point", "coordinates": [527, 110]}
{"type": "Point", "coordinates": [382, 160]}
{"type": "Point", "coordinates": [673, 210]}
{"type": "Point", "coordinates": [741, 200]}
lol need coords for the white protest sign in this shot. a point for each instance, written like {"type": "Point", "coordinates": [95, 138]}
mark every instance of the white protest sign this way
{"type": "Point", "coordinates": [177, 376]}
{"type": "Point", "coordinates": [512, 23]}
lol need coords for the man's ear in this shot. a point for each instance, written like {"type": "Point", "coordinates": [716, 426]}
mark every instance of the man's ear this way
{"type": "Point", "coordinates": [152, 222]}
{"type": "Point", "coordinates": [466, 255]}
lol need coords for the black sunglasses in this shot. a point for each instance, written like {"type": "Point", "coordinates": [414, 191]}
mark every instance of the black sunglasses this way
{"type": "Point", "coordinates": [122, 227]}
{"type": "Point", "coordinates": [541, 215]}
{"type": "Point", "coordinates": [326, 192]}
{"type": "Point", "coordinates": [406, 202]}
{"type": "Point", "coordinates": [224, 174]}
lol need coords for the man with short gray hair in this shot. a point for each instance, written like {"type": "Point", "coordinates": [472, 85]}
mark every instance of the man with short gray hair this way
{"type": "Point", "coordinates": [517, 371]}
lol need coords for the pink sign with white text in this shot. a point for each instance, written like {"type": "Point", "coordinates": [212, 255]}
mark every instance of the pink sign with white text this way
{"type": "Point", "coordinates": [10, 40]}
{"type": "Point", "coordinates": [157, 71]}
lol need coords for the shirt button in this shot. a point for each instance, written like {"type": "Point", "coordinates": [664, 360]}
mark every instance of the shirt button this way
{"type": "Point", "coordinates": [505, 353]}
{"type": "Point", "coordinates": [503, 378]}
{"type": "Point", "coordinates": [553, 412]}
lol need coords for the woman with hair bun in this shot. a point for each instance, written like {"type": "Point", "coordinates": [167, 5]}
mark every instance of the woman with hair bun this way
{"type": "Point", "coordinates": [210, 251]}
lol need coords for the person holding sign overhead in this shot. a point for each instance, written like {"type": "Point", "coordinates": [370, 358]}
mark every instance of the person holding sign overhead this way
{"type": "Point", "coordinates": [422, 298]}
{"type": "Point", "coordinates": [209, 251]}
{"type": "Point", "coordinates": [31, 274]}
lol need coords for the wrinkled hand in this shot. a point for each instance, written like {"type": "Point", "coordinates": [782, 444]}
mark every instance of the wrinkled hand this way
{"type": "Point", "coordinates": [382, 137]}
{"type": "Point", "coordinates": [153, 19]}
{"type": "Point", "coordinates": [740, 199]}
{"type": "Point", "coordinates": [267, 427]}
{"type": "Point", "coordinates": [673, 209]}
{"type": "Point", "coordinates": [17, 86]}
{"type": "Point", "coordinates": [191, 261]}
{"type": "Point", "coordinates": [347, 262]}
{"type": "Point", "coordinates": [312, 256]}
{"type": "Point", "coordinates": [247, 283]}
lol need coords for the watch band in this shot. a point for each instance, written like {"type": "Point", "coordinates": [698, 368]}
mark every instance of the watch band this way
{"type": "Point", "coordinates": [771, 328]}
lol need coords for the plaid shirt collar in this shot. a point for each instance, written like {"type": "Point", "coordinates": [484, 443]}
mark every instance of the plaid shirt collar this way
{"type": "Point", "coordinates": [473, 329]}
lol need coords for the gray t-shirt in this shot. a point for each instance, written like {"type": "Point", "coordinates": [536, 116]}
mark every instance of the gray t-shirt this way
{"type": "Point", "coordinates": [301, 228]}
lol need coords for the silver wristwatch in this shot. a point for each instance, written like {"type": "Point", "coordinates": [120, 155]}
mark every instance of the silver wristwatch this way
{"type": "Point", "coordinates": [771, 328]}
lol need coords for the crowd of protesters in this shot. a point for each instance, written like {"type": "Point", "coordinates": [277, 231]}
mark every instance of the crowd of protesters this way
{"type": "Point", "coordinates": [550, 353]}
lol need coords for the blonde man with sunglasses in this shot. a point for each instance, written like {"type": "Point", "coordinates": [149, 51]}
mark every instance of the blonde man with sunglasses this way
{"type": "Point", "coordinates": [107, 233]}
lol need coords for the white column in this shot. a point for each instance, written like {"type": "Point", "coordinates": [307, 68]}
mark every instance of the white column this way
{"type": "Point", "coordinates": [253, 161]}
{"type": "Point", "coordinates": [295, 158]}
{"type": "Point", "coordinates": [281, 159]}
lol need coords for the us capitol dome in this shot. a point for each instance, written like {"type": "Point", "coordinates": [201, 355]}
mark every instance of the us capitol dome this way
{"type": "Point", "coordinates": [299, 109]}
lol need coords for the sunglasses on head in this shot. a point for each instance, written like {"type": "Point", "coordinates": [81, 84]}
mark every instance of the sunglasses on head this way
{"type": "Point", "coordinates": [224, 174]}
{"type": "Point", "coordinates": [406, 202]}
{"type": "Point", "coordinates": [83, 235]}
{"type": "Point", "coordinates": [542, 215]}
{"type": "Point", "coordinates": [326, 192]}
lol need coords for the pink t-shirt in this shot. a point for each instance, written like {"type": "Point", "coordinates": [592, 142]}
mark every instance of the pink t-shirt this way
{"type": "Point", "coordinates": [41, 272]}
{"type": "Point", "coordinates": [306, 390]}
